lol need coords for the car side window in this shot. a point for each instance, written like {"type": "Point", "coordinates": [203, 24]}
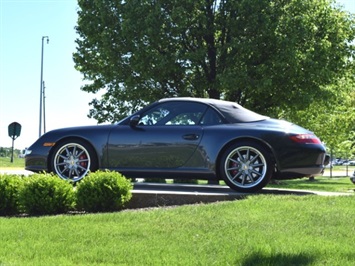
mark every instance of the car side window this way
{"type": "Point", "coordinates": [211, 117]}
{"type": "Point", "coordinates": [188, 118]}
{"type": "Point", "coordinates": [153, 116]}
{"type": "Point", "coordinates": [174, 113]}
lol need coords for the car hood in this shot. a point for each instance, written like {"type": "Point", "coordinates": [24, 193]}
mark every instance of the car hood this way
{"type": "Point", "coordinates": [82, 128]}
{"type": "Point", "coordinates": [82, 131]}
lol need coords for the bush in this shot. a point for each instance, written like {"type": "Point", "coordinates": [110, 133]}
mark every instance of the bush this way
{"type": "Point", "coordinates": [10, 187]}
{"type": "Point", "coordinates": [47, 194]}
{"type": "Point", "coordinates": [103, 191]}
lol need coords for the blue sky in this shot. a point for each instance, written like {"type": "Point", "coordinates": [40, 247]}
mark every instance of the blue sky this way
{"type": "Point", "coordinates": [22, 25]}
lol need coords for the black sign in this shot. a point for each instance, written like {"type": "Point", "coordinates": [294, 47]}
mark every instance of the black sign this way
{"type": "Point", "coordinates": [14, 130]}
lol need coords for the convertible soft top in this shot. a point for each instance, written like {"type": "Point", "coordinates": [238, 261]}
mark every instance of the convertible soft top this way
{"type": "Point", "coordinates": [232, 111]}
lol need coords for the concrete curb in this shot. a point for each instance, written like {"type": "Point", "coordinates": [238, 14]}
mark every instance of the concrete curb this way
{"type": "Point", "coordinates": [146, 195]}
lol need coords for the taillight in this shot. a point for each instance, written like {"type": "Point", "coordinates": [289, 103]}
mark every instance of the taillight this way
{"type": "Point", "coordinates": [305, 139]}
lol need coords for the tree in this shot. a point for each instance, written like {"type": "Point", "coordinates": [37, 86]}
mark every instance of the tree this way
{"type": "Point", "coordinates": [333, 120]}
{"type": "Point", "coordinates": [267, 55]}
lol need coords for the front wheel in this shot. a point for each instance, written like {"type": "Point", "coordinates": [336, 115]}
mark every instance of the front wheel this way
{"type": "Point", "coordinates": [72, 160]}
{"type": "Point", "coordinates": [246, 167]}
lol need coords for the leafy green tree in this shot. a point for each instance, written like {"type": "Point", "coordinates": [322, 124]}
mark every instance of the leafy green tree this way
{"type": "Point", "coordinates": [267, 55]}
{"type": "Point", "coordinates": [333, 119]}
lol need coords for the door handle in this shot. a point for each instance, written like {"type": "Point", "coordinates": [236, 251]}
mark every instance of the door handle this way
{"type": "Point", "coordinates": [190, 136]}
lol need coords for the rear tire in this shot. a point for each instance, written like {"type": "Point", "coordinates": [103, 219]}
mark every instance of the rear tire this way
{"type": "Point", "coordinates": [73, 159]}
{"type": "Point", "coordinates": [246, 167]}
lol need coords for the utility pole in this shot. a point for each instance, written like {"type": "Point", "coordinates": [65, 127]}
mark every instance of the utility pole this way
{"type": "Point", "coordinates": [41, 89]}
{"type": "Point", "coordinates": [44, 108]}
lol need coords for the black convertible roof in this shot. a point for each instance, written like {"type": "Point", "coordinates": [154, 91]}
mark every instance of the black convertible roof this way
{"type": "Point", "coordinates": [232, 111]}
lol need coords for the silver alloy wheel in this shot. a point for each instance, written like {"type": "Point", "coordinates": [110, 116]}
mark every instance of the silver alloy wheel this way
{"type": "Point", "coordinates": [245, 167]}
{"type": "Point", "coordinates": [72, 162]}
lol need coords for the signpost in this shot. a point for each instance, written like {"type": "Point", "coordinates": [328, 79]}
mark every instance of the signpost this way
{"type": "Point", "coordinates": [14, 132]}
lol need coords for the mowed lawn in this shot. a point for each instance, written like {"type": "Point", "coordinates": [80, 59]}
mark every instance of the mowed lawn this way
{"type": "Point", "coordinates": [17, 163]}
{"type": "Point", "coordinates": [256, 230]}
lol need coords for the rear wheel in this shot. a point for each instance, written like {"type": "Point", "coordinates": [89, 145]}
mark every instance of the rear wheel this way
{"type": "Point", "coordinates": [246, 167]}
{"type": "Point", "coordinates": [73, 159]}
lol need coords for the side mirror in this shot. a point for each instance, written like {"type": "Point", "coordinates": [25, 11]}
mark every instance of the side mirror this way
{"type": "Point", "coordinates": [133, 122]}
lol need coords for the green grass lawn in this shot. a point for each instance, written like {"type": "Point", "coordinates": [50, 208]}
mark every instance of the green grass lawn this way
{"type": "Point", "coordinates": [18, 163]}
{"type": "Point", "coordinates": [258, 230]}
{"type": "Point", "coordinates": [320, 183]}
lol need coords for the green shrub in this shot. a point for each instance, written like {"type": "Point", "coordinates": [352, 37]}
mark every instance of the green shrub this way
{"type": "Point", "coordinates": [103, 191]}
{"type": "Point", "coordinates": [10, 187]}
{"type": "Point", "coordinates": [47, 194]}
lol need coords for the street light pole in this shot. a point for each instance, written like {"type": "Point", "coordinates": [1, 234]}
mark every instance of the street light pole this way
{"type": "Point", "coordinates": [44, 108]}
{"type": "Point", "coordinates": [41, 92]}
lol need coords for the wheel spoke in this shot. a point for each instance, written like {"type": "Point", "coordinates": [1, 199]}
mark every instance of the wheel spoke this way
{"type": "Point", "coordinates": [80, 154]}
{"type": "Point", "coordinates": [244, 179]}
{"type": "Point", "coordinates": [257, 165]}
{"type": "Point", "coordinates": [254, 158]}
{"type": "Point", "coordinates": [75, 171]}
{"type": "Point", "coordinates": [81, 167]}
{"type": "Point", "coordinates": [82, 160]}
{"type": "Point", "coordinates": [233, 168]}
{"type": "Point", "coordinates": [63, 157]}
{"type": "Point", "coordinates": [240, 157]}
{"type": "Point", "coordinates": [65, 169]}
{"type": "Point", "coordinates": [74, 151]}
{"type": "Point", "coordinates": [247, 156]}
{"type": "Point", "coordinates": [250, 177]}
{"type": "Point", "coordinates": [237, 175]}
{"type": "Point", "coordinates": [255, 172]}
{"type": "Point", "coordinates": [68, 152]}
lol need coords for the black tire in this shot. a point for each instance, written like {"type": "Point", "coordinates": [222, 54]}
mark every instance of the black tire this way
{"type": "Point", "coordinates": [246, 167]}
{"type": "Point", "coordinates": [73, 159]}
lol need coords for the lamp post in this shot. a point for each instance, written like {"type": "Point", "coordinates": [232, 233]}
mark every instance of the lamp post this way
{"type": "Point", "coordinates": [41, 95]}
{"type": "Point", "coordinates": [44, 107]}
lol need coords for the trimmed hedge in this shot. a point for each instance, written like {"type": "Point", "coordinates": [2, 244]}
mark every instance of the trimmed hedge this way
{"type": "Point", "coordinates": [40, 194]}
{"type": "Point", "coordinates": [10, 187]}
{"type": "Point", "coordinates": [103, 191]}
{"type": "Point", "coordinates": [47, 194]}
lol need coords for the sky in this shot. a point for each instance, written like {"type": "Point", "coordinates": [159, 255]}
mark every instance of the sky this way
{"type": "Point", "coordinates": [23, 23]}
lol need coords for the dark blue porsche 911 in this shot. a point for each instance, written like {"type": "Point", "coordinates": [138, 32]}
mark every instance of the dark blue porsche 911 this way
{"type": "Point", "coordinates": [189, 138]}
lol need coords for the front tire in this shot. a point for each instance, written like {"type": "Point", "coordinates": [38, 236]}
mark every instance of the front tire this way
{"type": "Point", "coordinates": [246, 167]}
{"type": "Point", "coordinates": [73, 159]}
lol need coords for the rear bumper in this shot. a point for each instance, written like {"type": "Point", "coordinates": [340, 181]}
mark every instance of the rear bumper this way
{"type": "Point", "coordinates": [292, 173]}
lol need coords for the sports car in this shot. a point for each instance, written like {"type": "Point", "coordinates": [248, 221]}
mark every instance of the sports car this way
{"type": "Point", "coordinates": [191, 138]}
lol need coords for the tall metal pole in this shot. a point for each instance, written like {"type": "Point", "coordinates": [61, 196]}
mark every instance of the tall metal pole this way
{"type": "Point", "coordinates": [44, 108]}
{"type": "Point", "coordinates": [41, 95]}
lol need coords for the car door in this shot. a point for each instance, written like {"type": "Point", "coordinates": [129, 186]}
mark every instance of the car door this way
{"type": "Point", "coordinates": [166, 136]}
